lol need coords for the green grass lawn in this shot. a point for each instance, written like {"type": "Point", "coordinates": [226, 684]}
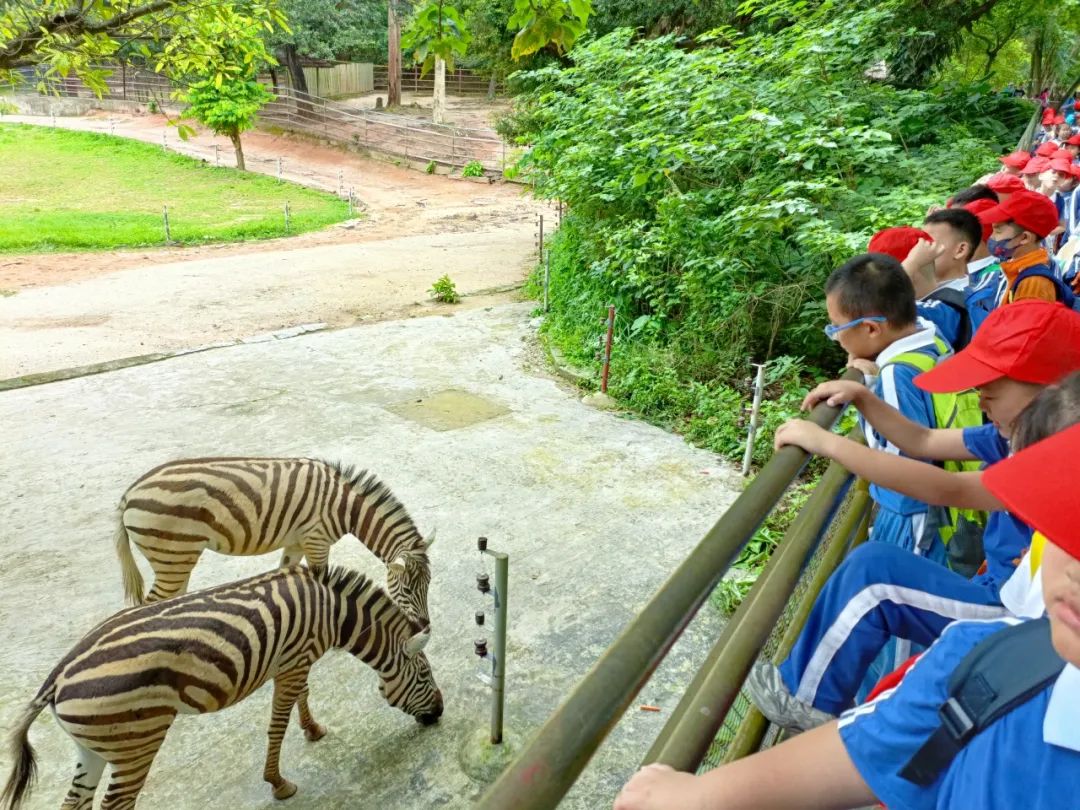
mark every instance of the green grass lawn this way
{"type": "Point", "coordinates": [63, 190]}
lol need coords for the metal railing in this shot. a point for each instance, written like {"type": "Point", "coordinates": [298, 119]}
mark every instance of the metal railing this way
{"type": "Point", "coordinates": [459, 82]}
{"type": "Point", "coordinates": [557, 754]}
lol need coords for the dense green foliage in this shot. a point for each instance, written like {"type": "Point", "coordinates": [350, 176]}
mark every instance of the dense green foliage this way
{"type": "Point", "coordinates": [349, 30]}
{"type": "Point", "coordinates": [65, 190]}
{"type": "Point", "coordinates": [710, 192]}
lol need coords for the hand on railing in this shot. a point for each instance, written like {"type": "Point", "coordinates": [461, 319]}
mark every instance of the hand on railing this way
{"type": "Point", "coordinates": [834, 393]}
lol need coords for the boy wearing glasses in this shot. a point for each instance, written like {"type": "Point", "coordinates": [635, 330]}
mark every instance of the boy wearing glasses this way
{"type": "Point", "coordinates": [871, 306]}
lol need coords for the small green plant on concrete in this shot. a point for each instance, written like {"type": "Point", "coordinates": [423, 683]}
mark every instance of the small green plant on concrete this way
{"type": "Point", "coordinates": [7, 108]}
{"type": "Point", "coordinates": [430, 168]}
{"type": "Point", "coordinates": [152, 107]}
{"type": "Point", "coordinates": [445, 291]}
{"type": "Point", "coordinates": [474, 168]}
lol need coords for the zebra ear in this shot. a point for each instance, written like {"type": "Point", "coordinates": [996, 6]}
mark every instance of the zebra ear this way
{"type": "Point", "coordinates": [397, 565]}
{"type": "Point", "coordinates": [429, 539]}
{"type": "Point", "coordinates": [417, 643]}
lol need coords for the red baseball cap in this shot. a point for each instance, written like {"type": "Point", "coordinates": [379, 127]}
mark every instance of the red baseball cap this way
{"type": "Point", "coordinates": [1063, 154]}
{"type": "Point", "coordinates": [1059, 119]}
{"type": "Point", "coordinates": [897, 242]}
{"type": "Point", "coordinates": [1031, 341]}
{"type": "Point", "coordinates": [1016, 160]}
{"type": "Point", "coordinates": [978, 208]}
{"type": "Point", "coordinates": [1048, 116]}
{"type": "Point", "coordinates": [1059, 165]}
{"type": "Point", "coordinates": [1006, 183]}
{"type": "Point", "coordinates": [1045, 149]}
{"type": "Point", "coordinates": [1074, 140]}
{"type": "Point", "coordinates": [1030, 210]}
{"type": "Point", "coordinates": [1038, 485]}
{"type": "Point", "coordinates": [1037, 165]}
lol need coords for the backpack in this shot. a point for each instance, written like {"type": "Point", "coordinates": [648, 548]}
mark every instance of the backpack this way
{"type": "Point", "coordinates": [983, 299]}
{"type": "Point", "coordinates": [956, 300]}
{"type": "Point", "coordinates": [989, 683]}
{"type": "Point", "coordinates": [961, 530]}
{"type": "Point", "coordinates": [1064, 292]}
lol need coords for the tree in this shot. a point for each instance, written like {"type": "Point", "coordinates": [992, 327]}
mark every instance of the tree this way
{"type": "Point", "coordinates": [436, 34]}
{"type": "Point", "coordinates": [228, 107]}
{"type": "Point", "coordinates": [393, 60]}
{"type": "Point", "coordinates": [544, 23]}
{"type": "Point", "coordinates": [61, 37]}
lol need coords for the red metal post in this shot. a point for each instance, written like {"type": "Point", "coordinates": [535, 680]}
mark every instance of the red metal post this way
{"type": "Point", "coordinates": [607, 348]}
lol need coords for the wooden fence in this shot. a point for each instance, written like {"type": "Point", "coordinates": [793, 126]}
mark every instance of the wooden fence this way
{"type": "Point", "coordinates": [340, 80]}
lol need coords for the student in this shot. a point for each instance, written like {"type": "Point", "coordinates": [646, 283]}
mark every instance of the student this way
{"type": "Point", "coordinates": [938, 278]}
{"type": "Point", "coordinates": [1005, 184]}
{"type": "Point", "coordinates": [1030, 758]}
{"type": "Point", "coordinates": [978, 191]}
{"type": "Point", "coordinates": [871, 304]}
{"type": "Point", "coordinates": [1020, 224]}
{"type": "Point", "coordinates": [1013, 162]}
{"type": "Point", "coordinates": [878, 593]}
{"type": "Point", "coordinates": [986, 282]}
{"type": "Point", "coordinates": [1073, 146]}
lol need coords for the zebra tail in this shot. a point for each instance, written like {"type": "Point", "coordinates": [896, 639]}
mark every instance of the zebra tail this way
{"type": "Point", "coordinates": [133, 581]}
{"type": "Point", "coordinates": [24, 769]}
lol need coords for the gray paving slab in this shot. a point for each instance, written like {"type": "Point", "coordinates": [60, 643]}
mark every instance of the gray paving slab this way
{"type": "Point", "coordinates": [594, 509]}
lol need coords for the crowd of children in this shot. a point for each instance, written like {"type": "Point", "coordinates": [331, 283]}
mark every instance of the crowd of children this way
{"type": "Point", "coordinates": [940, 665]}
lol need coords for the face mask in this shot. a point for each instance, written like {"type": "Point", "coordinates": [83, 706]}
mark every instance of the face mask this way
{"type": "Point", "coordinates": [1000, 249]}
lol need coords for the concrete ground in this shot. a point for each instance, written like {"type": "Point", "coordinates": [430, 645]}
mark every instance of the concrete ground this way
{"type": "Point", "coordinates": [595, 510]}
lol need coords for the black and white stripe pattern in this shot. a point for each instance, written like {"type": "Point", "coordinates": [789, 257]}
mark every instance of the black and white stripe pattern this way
{"type": "Point", "coordinates": [118, 691]}
{"type": "Point", "coordinates": [247, 506]}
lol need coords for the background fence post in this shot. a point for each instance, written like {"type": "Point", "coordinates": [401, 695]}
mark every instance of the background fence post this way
{"type": "Point", "coordinates": [165, 219]}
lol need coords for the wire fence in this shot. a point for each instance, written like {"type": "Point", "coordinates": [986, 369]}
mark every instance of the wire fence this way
{"type": "Point", "coordinates": [373, 130]}
{"type": "Point", "coordinates": [459, 82]}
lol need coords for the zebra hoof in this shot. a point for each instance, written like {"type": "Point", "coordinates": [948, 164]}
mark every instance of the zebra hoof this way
{"type": "Point", "coordinates": [315, 732]}
{"type": "Point", "coordinates": [285, 790]}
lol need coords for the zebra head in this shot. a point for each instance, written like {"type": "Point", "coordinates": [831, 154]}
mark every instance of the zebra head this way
{"type": "Point", "coordinates": [408, 683]}
{"type": "Point", "coordinates": [408, 577]}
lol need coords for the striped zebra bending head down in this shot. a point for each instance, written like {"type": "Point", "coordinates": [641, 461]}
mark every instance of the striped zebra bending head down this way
{"type": "Point", "coordinates": [118, 691]}
{"type": "Point", "coordinates": [248, 506]}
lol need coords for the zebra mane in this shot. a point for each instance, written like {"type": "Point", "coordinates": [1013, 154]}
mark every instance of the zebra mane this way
{"type": "Point", "coordinates": [348, 583]}
{"type": "Point", "coordinates": [345, 581]}
{"type": "Point", "coordinates": [369, 485]}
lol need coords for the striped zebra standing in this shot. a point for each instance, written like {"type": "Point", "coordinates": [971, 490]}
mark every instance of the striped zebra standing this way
{"type": "Point", "coordinates": [246, 506]}
{"type": "Point", "coordinates": [118, 691]}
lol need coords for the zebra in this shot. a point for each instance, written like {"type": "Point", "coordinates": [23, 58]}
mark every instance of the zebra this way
{"type": "Point", "coordinates": [119, 689]}
{"type": "Point", "coordinates": [247, 506]}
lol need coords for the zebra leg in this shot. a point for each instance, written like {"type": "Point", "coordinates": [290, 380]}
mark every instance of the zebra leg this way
{"type": "Point", "coordinates": [129, 774]}
{"type": "Point", "coordinates": [317, 553]}
{"type": "Point", "coordinates": [88, 772]}
{"type": "Point", "coordinates": [287, 687]}
{"type": "Point", "coordinates": [312, 730]}
{"type": "Point", "coordinates": [291, 556]}
{"type": "Point", "coordinates": [171, 574]}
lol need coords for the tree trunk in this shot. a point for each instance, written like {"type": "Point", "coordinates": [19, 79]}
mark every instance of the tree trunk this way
{"type": "Point", "coordinates": [393, 63]}
{"type": "Point", "coordinates": [235, 138]}
{"type": "Point", "coordinates": [438, 104]}
{"type": "Point", "coordinates": [491, 86]}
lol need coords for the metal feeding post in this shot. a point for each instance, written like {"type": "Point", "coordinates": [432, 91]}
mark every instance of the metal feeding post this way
{"type": "Point", "coordinates": [497, 678]}
{"type": "Point", "coordinates": [755, 409]}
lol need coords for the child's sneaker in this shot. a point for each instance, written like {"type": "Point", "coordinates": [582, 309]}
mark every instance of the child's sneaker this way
{"type": "Point", "coordinates": [773, 699]}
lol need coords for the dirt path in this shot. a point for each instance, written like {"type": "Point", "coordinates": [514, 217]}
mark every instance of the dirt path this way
{"type": "Point", "coordinates": [61, 310]}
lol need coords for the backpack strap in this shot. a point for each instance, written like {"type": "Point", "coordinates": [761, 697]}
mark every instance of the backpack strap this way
{"type": "Point", "coordinates": [957, 300]}
{"type": "Point", "coordinates": [987, 685]}
{"type": "Point", "coordinates": [1064, 295]}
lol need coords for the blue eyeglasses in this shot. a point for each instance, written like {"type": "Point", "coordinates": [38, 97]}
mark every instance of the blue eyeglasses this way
{"type": "Point", "coordinates": [831, 331]}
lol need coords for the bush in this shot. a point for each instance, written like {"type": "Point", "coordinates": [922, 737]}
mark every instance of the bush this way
{"type": "Point", "coordinates": [474, 168]}
{"type": "Point", "coordinates": [445, 291]}
{"type": "Point", "coordinates": [430, 168]}
{"type": "Point", "coordinates": [711, 191]}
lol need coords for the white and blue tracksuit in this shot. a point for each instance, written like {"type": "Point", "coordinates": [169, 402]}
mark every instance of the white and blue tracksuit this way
{"type": "Point", "coordinates": [881, 592]}
{"type": "Point", "coordinates": [1029, 758]}
{"type": "Point", "coordinates": [902, 521]}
